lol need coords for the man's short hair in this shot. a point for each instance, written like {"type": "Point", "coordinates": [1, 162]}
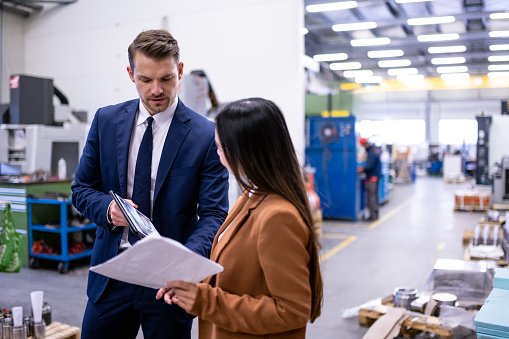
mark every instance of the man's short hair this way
{"type": "Point", "coordinates": [156, 44]}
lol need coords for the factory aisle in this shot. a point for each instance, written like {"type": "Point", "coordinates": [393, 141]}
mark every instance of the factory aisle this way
{"type": "Point", "coordinates": [361, 261]}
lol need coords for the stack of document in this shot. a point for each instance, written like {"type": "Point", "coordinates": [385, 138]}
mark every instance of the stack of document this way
{"type": "Point", "coordinates": [492, 321]}
{"type": "Point", "coordinates": [156, 260]}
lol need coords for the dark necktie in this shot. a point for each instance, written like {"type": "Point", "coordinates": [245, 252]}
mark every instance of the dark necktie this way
{"type": "Point", "coordinates": [142, 175]}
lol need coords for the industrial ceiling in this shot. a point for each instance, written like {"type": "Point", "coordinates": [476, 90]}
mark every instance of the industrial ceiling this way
{"type": "Point", "coordinates": [477, 30]}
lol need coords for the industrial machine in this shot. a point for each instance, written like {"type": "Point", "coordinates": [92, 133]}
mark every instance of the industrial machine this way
{"type": "Point", "coordinates": [332, 151]}
{"type": "Point", "coordinates": [35, 134]}
{"type": "Point", "coordinates": [501, 183]}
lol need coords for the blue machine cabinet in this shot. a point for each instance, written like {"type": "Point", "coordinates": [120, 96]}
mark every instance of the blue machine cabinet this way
{"type": "Point", "coordinates": [332, 151]}
{"type": "Point", "coordinates": [64, 230]}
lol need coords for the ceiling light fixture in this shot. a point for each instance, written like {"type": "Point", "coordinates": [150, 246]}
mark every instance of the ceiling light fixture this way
{"type": "Point", "coordinates": [333, 6]}
{"type": "Point", "coordinates": [410, 77]}
{"type": "Point", "coordinates": [504, 47]}
{"type": "Point", "coordinates": [330, 57]}
{"type": "Point", "coordinates": [409, 1]}
{"type": "Point", "coordinates": [431, 21]}
{"type": "Point", "coordinates": [496, 16]}
{"type": "Point", "coordinates": [394, 63]}
{"type": "Point", "coordinates": [304, 31]}
{"type": "Point", "coordinates": [438, 37]}
{"type": "Point", "coordinates": [370, 42]}
{"type": "Point", "coordinates": [498, 68]}
{"type": "Point", "coordinates": [498, 74]}
{"type": "Point", "coordinates": [342, 66]}
{"type": "Point", "coordinates": [446, 61]}
{"type": "Point", "coordinates": [402, 71]}
{"type": "Point", "coordinates": [499, 34]}
{"type": "Point", "coordinates": [369, 80]}
{"type": "Point", "coordinates": [354, 26]}
{"type": "Point", "coordinates": [355, 74]}
{"type": "Point", "coordinates": [447, 49]}
{"type": "Point", "coordinates": [455, 76]}
{"type": "Point", "coordinates": [452, 69]}
{"type": "Point", "coordinates": [386, 54]}
{"type": "Point", "coordinates": [497, 58]}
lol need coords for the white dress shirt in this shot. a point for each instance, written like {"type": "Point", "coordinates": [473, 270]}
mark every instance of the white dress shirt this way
{"type": "Point", "coordinates": [160, 127]}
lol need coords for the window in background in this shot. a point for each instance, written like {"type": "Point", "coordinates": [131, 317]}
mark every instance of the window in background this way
{"type": "Point", "coordinates": [457, 131]}
{"type": "Point", "coordinates": [400, 132]}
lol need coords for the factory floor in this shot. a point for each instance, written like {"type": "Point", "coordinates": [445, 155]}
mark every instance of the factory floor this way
{"type": "Point", "coordinates": [361, 261]}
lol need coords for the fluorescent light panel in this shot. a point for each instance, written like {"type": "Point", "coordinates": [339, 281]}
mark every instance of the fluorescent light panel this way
{"type": "Point", "coordinates": [438, 37]}
{"type": "Point", "coordinates": [447, 61]}
{"type": "Point", "coordinates": [342, 66]}
{"type": "Point", "coordinates": [334, 6]}
{"type": "Point", "coordinates": [503, 47]}
{"type": "Point", "coordinates": [455, 76]}
{"type": "Point", "coordinates": [498, 68]}
{"type": "Point", "coordinates": [370, 42]}
{"type": "Point", "coordinates": [497, 58]}
{"type": "Point", "coordinates": [354, 26]}
{"type": "Point", "coordinates": [410, 77]}
{"type": "Point", "coordinates": [431, 21]}
{"type": "Point", "coordinates": [394, 63]}
{"type": "Point", "coordinates": [409, 1]}
{"type": "Point", "coordinates": [330, 57]}
{"type": "Point", "coordinates": [360, 73]}
{"type": "Point", "coordinates": [386, 54]}
{"type": "Point", "coordinates": [452, 69]}
{"type": "Point", "coordinates": [499, 34]}
{"type": "Point", "coordinates": [498, 74]}
{"type": "Point", "coordinates": [496, 16]}
{"type": "Point", "coordinates": [447, 49]}
{"type": "Point", "coordinates": [402, 71]}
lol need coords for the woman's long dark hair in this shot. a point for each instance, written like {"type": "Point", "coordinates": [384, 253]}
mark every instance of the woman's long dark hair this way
{"type": "Point", "coordinates": [260, 153]}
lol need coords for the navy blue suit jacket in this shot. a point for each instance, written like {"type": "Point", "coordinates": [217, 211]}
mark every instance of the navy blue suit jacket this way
{"type": "Point", "coordinates": [191, 189]}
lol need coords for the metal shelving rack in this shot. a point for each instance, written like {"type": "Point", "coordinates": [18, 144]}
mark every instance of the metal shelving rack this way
{"type": "Point", "coordinates": [64, 230]}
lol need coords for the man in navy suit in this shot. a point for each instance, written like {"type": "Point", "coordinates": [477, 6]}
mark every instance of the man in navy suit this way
{"type": "Point", "coordinates": [188, 188]}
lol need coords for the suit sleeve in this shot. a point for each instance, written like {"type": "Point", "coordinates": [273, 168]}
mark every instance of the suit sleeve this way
{"type": "Point", "coordinates": [282, 247]}
{"type": "Point", "coordinates": [212, 202]}
{"type": "Point", "coordinates": [87, 190]}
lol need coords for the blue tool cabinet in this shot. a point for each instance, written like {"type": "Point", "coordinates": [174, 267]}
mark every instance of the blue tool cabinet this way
{"type": "Point", "coordinates": [63, 230]}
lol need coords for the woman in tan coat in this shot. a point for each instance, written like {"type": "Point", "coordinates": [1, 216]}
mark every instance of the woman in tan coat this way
{"type": "Point", "coordinates": [271, 285]}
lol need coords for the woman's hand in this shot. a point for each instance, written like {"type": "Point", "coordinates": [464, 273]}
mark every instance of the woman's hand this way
{"type": "Point", "coordinates": [180, 293]}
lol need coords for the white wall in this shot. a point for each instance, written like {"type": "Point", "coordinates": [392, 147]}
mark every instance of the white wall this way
{"type": "Point", "coordinates": [438, 104]}
{"type": "Point", "coordinates": [13, 50]}
{"type": "Point", "coordinates": [242, 46]}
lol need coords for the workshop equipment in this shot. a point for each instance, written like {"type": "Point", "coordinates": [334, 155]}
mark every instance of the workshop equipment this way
{"type": "Point", "coordinates": [332, 150]}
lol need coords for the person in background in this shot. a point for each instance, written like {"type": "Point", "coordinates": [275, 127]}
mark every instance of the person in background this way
{"type": "Point", "coordinates": [271, 285]}
{"type": "Point", "coordinates": [162, 155]}
{"type": "Point", "coordinates": [372, 169]}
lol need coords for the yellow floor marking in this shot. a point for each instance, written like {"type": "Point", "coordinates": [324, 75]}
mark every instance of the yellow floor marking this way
{"type": "Point", "coordinates": [348, 240]}
{"type": "Point", "coordinates": [392, 212]}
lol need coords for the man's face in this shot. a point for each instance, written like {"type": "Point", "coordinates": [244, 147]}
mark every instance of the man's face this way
{"type": "Point", "coordinates": [156, 81]}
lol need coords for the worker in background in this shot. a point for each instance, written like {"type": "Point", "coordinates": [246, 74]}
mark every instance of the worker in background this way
{"type": "Point", "coordinates": [160, 154]}
{"type": "Point", "coordinates": [271, 285]}
{"type": "Point", "coordinates": [372, 169]}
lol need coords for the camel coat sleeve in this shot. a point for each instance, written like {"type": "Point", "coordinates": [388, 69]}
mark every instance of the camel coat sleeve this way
{"type": "Point", "coordinates": [265, 286]}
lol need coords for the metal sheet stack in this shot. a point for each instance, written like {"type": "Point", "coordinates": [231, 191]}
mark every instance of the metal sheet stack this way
{"type": "Point", "coordinates": [492, 321]}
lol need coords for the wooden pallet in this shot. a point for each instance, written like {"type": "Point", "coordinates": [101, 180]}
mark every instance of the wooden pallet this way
{"type": "Point", "coordinates": [57, 330]}
{"type": "Point", "coordinates": [470, 209]}
{"type": "Point", "coordinates": [500, 207]}
{"type": "Point", "coordinates": [415, 324]}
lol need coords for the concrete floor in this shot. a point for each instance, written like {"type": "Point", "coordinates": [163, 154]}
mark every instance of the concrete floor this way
{"type": "Point", "coordinates": [360, 261]}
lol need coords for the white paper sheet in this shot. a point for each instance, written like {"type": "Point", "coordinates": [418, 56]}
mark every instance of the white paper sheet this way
{"type": "Point", "coordinates": [155, 260]}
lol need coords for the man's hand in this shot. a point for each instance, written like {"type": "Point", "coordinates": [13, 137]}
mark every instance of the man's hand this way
{"type": "Point", "coordinates": [115, 214]}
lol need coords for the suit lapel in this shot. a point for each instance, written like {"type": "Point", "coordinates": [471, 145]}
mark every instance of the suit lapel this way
{"type": "Point", "coordinates": [176, 136]}
{"type": "Point", "coordinates": [125, 125]}
{"type": "Point", "coordinates": [235, 220]}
